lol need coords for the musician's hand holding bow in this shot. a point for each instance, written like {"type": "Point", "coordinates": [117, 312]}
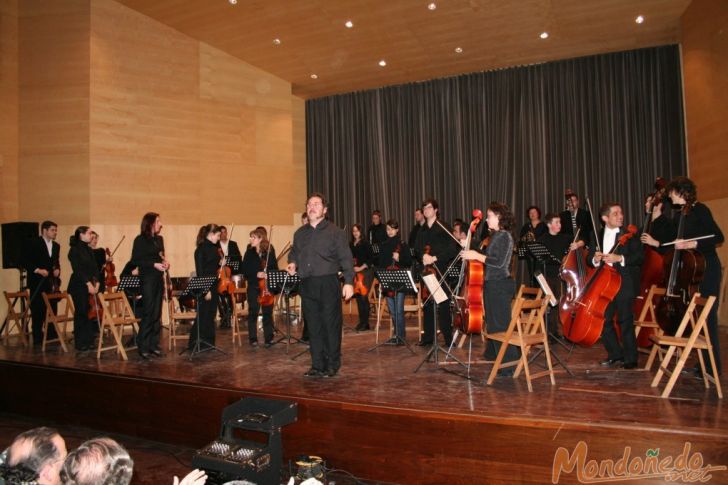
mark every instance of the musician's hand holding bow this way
{"type": "Point", "coordinates": [649, 240]}
{"type": "Point", "coordinates": [291, 268]}
{"type": "Point", "coordinates": [680, 244]}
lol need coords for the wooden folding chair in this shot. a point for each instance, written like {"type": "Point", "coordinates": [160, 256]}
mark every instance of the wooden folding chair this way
{"type": "Point", "coordinates": [698, 339]}
{"type": "Point", "coordinates": [528, 293]}
{"type": "Point", "coordinates": [648, 319]}
{"type": "Point", "coordinates": [16, 323]}
{"type": "Point", "coordinates": [525, 314]}
{"type": "Point", "coordinates": [177, 316]}
{"type": "Point", "coordinates": [60, 316]}
{"type": "Point", "coordinates": [117, 316]}
{"type": "Point", "coordinates": [240, 312]}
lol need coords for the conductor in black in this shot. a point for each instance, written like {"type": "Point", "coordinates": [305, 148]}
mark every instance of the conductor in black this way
{"type": "Point", "coordinates": [320, 250]}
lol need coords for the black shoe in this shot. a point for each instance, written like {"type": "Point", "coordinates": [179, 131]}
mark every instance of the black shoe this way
{"type": "Point", "coordinates": [630, 365]}
{"type": "Point", "coordinates": [84, 348]}
{"type": "Point", "coordinates": [313, 373]}
{"type": "Point", "coordinates": [330, 373]}
{"type": "Point", "coordinates": [400, 343]}
{"type": "Point", "coordinates": [611, 362]}
{"type": "Point", "coordinates": [145, 355]}
{"type": "Point", "coordinates": [392, 341]}
{"type": "Point", "coordinates": [157, 353]}
{"type": "Point", "coordinates": [505, 373]}
{"type": "Point", "coordinates": [268, 345]}
{"type": "Point", "coordinates": [254, 344]}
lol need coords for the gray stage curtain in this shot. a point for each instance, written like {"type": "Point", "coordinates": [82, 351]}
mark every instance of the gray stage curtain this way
{"type": "Point", "coordinates": [605, 126]}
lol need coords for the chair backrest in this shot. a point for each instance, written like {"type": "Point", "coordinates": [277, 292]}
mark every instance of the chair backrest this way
{"type": "Point", "coordinates": [117, 309]}
{"type": "Point", "coordinates": [648, 313]}
{"type": "Point", "coordinates": [532, 315]}
{"type": "Point", "coordinates": [17, 300]}
{"type": "Point", "coordinates": [529, 292]}
{"type": "Point", "coordinates": [696, 313]}
{"type": "Point", "coordinates": [64, 306]}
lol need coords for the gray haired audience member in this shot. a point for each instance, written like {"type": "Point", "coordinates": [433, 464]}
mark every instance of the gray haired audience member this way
{"type": "Point", "coordinates": [35, 456]}
{"type": "Point", "coordinates": [98, 461]}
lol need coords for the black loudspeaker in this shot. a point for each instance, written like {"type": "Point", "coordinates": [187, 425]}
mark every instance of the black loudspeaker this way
{"type": "Point", "coordinates": [15, 236]}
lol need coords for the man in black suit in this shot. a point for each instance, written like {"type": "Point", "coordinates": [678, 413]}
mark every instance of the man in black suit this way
{"type": "Point", "coordinates": [377, 232]}
{"type": "Point", "coordinates": [626, 260]}
{"type": "Point", "coordinates": [230, 249]}
{"type": "Point", "coordinates": [41, 262]}
{"type": "Point", "coordinates": [574, 218]}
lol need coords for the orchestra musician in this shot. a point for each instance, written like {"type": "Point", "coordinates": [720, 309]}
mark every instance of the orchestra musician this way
{"type": "Point", "coordinates": [232, 251]}
{"type": "Point", "coordinates": [395, 254]}
{"type": "Point", "coordinates": [363, 256]}
{"type": "Point", "coordinates": [207, 263]}
{"type": "Point", "coordinates": [558, 244]}
{"type": "Point", "coordinates": [530, 231]}
{"type": "Point", "coordinates": [460, 231]}
{"type": "Point", "coordinates": [84, 281]}
{"type": "Point", "coordinates": [626, 260]}
{"type": "Point", "coordinates": [319, 250]}
{"type": "Point", "coordinates": [376, 233]}
{"type": "Point", "coordinates": [41, 262]}
{"type": "Point", "coordinates": [100, 258]}
{"type": "Point", "coordinates": [442, 250]}
{"type": "Point", "coordinates": [147, 254]}
{"type": "Point", "coordinates": [500, 287]}
{"type": "Point", "coordinates": [259, 258]}
{"type": "Point", "coordinates": [419, 222]}
{"type": "Point", "coordinates": [698, 221]}
{"type": "Point", "coordinates": [574, 217]}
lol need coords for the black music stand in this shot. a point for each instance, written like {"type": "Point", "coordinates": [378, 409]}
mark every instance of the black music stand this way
{"type": "Point", "coordinates": [282, 282]}
{"type": "Point", "coordinates": [198, 287]}
{"type": "Point", "coordinates": [397, 280]}
{"type": "Point", "coordinates": [130, 284]}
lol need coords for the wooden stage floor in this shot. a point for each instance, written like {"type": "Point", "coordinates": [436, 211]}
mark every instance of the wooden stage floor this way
{"type": "Point", "coordinates": [379, 419]}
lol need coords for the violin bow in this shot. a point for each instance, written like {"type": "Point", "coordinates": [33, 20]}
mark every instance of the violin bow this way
{"type": "Point", "coordinates": [117, 246]}
{"type": "Point", "coordinates": [594, 226]}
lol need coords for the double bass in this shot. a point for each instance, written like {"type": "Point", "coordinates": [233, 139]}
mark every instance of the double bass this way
{"type": "Point", "coordinates": [575, 272]}
{"type": "Point", "coordinates": [469, 300]}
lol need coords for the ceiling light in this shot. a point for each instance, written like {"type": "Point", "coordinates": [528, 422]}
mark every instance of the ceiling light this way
{"type": "Point", "coordinates": [233, 2]}
{"type": "Point", "coordinates": [544, 35]}
{"type": "Point", "coordinates": [314, 76]}
{"type": "Point", "coordinates": [432, 6]}
{"type": "Point", "coordinates": [349, 24]}
{"type": "Point", "coordinates": [639, 19]}
{"type": "Point", "coordinates": [382, 63]}
{"type": "Point", "coordinates": [459, 50]}
{"type": "Point", "coordinates": [277, 41]}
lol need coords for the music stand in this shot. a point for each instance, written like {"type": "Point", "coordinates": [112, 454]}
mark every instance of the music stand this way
{"type": "Point", "coordinates": [282, 282]}
{"type": "Point", "coordinates": [129, 284]}
{"type": "Point", "coordinates": [397, 280]}
{"type": "Point", "coordinates": [197, 288]}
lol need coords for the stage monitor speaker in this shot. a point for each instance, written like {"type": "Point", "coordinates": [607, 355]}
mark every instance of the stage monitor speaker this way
{"type": "Point", "coordinates": [15, 236]}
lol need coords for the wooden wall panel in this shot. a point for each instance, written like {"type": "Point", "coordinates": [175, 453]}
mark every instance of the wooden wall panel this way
{"type": "Point", "coordinates": [53, 79]}
{"type": "Point", "coordinates": [705, 65]}
{"type": "Point", "coordinates": [9, 113]}
{"type": "Point", "coordinates": [183, 129]}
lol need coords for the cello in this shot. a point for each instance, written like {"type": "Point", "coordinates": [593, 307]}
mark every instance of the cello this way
{"type": "Point", "coordinates": [469, 300]}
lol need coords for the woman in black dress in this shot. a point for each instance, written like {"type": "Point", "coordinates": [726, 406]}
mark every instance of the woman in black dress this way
{"type": "Point", "coordinates": [147, 255]}
{"type": "Point", "coordinates": [83, 282]}
{"type": "Point", "coordinates": [259, 258]}
{"type": "Point", "coordinates": [363, 262]}
{"type": "Point", "coordinates": [207, 262]}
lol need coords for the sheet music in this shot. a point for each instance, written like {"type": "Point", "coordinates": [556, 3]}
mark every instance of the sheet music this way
{"type": "Point", "coordinates": [435, 289]}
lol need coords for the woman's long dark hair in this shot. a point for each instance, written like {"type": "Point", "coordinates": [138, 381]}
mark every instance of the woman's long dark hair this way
{"type": "Point", "coordinates": [147, 226]}
{"type": "Point", "coordinates": [205, 231]}
{"type": "Point", "coordinates": [76, 238]}
{"type": "Point", "coordinates": [361, 233]}
{"type": "Point", "coordinates": [506, 220]}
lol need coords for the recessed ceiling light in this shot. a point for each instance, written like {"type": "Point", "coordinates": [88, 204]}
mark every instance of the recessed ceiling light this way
{"type": "Point", "coordinates": [233, 2]}
{"type": "Point", "coordinates": [314, 76]}
{"type": "Point", "coordinates": [277, 41]}
{"type": "Point", "coordinates": [459, 50]}
{"type": "Point", "coordinates": [349, 24]}
{"type": "Point", "coordinates": [432, 6]}
{"type": "Point", "coordinates": [382, 63]}
{"type": "Point", "coordinates": [639, 19]}
{"type": "Point", "coordinates": [544, 35]}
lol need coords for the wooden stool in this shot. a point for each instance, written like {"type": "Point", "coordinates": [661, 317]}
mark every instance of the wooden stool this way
{"type": "Point", "coordinates": [62, 315]}
{"type": "Point", "coordinates": [240, 311]}
{"type": "Point", "coordinates": [525, 314]}
{"type": "Point", "coordinates": [177, 316]}
{"type": "Point", "coordinates": [648, 319]}
{"type": "Point", "coordinates": [117, 316]}
{"type": "Point", "coordinates": [18, 316]}
{"type": "Point", "coordinates": [698, 339]}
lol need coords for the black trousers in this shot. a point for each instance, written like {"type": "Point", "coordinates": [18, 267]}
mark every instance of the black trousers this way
{"type": "Point", "coordinates": [321, 300]}
{"type": "Point", "coordinates": [554, 322]}
{"type": "Point", "coordinates": [622, 306]}
{"type": "Point", "coordinates": [444, 321]}
{"type": "Point", "coordinates": [710, 286]}
{"type": "Point", "coordinates": [497, 295]}
{"type": "Point", "coordinates": [38, 308]}
{"type": "Point", "coordinates": [253, 308]}
{"type": "Point", "coordinates": [207, 309]}
{"type": "Point", "coordinates": [83, 328]}
{"type": "Point", "coordinates": [152, 288]}
{"type": "Point", "coordinates": [362, 305]}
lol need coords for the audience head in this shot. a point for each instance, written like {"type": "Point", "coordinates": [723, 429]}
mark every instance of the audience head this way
{"type": "Point", "coordinates": [40, 451]}
{"type": "Point", "coordinates": [99, 461]}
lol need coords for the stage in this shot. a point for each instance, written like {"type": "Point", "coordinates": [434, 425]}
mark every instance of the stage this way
{"type": "Point", "coordinates": [378, 419]}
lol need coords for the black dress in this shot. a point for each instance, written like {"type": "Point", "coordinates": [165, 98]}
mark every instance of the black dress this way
{"type": "Point", "coordinates": [362, 253]}
{"type": "Point", "coordinates": [85, 270]}
{"type": "Point", "coordinates": [207, 262]}
{"type": "Point", "coordinates": [252, 264]}
{"type": "Point", "coordinates": [145, 252]}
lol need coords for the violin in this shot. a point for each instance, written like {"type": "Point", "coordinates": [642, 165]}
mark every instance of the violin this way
{"type": "Point", "coordinates": [359, 287]}
{"type": "Point", "coordinates": [265, 298]}
{"type": "Point", "coordinates": [55, 280]}
{"type": "Point", "coordinates": [94, 311]}
{"type": "Point", "coordinates": [109, 268]}
{"type": "Point", "coordinates": [684, 269]}
{"type": "Point", "coordinates": [393, 267]}
{"type": "Point", "coordinates": [225, 284]}
{"type": "Point", "coordinates": [427, 270]}
{"type": "Point", "coordinates": [586, 326]}
{"type": "Point", "coordinates": [469, 300]}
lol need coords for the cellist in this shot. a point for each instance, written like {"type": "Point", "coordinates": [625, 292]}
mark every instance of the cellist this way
{"type": "Point", "coordinates": [698, 221]}
{"type": "Point", "coordinates": [500, 287]}
{"type": "Point", "coordinates": [259, 258]}
{"type": "Point", "coordinates": [363, 256]}
{"type": "Point", "coordinates": [626, 260]}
